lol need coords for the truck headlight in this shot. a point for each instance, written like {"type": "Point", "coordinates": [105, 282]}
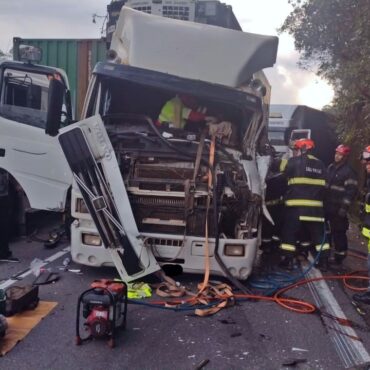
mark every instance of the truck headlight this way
{"type": "Point", "coordinates": [91, 239]}
{"type": "Point", "coordinates": [81, 206]}
{"type": "Point", "coordinates": [234, 250]}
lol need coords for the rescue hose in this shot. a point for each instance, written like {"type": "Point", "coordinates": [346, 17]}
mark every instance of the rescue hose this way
{"type": "Point", "coordinates": [292, 304]}
{"type": "Point", "coordinates": [274, 281]}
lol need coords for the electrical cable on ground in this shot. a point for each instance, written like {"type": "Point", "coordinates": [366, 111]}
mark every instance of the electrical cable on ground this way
{"type": "Point", "coordinates": [292, 304]}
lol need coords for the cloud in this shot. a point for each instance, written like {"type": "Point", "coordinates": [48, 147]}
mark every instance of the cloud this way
{"type": "Point", "coordinates": [48, 19]}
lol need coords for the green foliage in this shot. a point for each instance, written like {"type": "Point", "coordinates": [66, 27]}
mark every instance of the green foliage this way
{"type": "Point", "coordinates": [334, 35]}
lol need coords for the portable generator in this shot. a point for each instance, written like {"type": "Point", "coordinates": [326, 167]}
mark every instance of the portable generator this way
{"type": "Point", "coordinates": [104, 308]}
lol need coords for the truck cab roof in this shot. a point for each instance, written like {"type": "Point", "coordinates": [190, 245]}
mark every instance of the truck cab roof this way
{"type": "Point", "coordinates": [191, 50]}
{"type": "Point", "coordinates": [33, 68]}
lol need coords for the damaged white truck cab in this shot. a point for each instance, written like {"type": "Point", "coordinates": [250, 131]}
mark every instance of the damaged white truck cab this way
{"type": "Point", "coordinates": [34, 160]}
{"type": "Point", "coordinates": [144, 194]}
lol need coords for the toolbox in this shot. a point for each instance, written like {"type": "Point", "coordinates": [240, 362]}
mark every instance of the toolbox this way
{"type": "Point", "coordinates": [21, 298]}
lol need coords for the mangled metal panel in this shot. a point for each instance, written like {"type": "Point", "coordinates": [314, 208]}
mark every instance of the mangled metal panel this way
{"type": "Point", "coordinates": [191, 50]}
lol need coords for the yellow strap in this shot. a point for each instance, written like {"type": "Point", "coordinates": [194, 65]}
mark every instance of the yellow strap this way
{"type": "Point", "coordinates": [207, 267]}
{"type": "Point", "coordinates": [367, 208]}
{"type": "Point", "coordinates": [306, 181]}
{"type": "Point", "coordinates": [303, 203]}
{"type": "Point", "coordinates": [313, 219]}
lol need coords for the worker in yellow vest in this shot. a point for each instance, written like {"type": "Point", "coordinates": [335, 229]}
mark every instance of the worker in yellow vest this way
{"type": "Point", "coordinates": [180, 110]}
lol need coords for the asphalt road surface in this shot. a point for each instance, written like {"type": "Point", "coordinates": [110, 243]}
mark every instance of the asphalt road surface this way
{"type": "Point", "coordinates": [249, 335]}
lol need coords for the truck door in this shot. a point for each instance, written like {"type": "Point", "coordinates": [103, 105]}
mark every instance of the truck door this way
{"type": "Point", "coordinates": [95, 170]}
{"type": "Point", "coordinates": [34, 159]}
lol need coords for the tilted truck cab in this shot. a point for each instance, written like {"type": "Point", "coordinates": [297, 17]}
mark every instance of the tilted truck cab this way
{"type": "Point", "coordinates": [144, 194]}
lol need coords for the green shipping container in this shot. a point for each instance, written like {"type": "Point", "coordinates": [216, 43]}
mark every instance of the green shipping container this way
{"type": "Point", "coordinates": [76, 57]}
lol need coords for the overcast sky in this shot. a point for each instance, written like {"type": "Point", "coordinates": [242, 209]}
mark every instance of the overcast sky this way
{"type": "Point", "coordinates": [73, 19]}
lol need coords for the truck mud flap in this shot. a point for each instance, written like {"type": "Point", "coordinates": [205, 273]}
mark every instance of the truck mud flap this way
{"type": "Point", "coordinates": [98, 198]}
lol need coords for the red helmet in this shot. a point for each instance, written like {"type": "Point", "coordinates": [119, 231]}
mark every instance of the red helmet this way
{"type": "Point", "coordinates": [366, 153]}
{"type": "Point", "coordinates": [343, 149]}
{"type": "Point", "coordinates": [304, 144]}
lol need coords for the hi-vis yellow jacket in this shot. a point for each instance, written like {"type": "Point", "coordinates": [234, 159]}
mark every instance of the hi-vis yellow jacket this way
{"type": "Point", "coordinates": [175, 112]}
{"type": "Point", "coordinates": [366, 221]}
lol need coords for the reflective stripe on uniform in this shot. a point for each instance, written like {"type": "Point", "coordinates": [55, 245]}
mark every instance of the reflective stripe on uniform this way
{"type": "Point", "coordinates": [266, 240]}
{"type": "Point", "coordinates": [306, 181]}
{"type": "Point", "coordinates": [283, 164]}
{"type": "Point", "coordinates": [366, 232]}
{"type": "Point", "coordinates": [337, 188]}
{"type": "Point", "coordinates": [341, 253]}
{"type": "Point", "coordinates": [346, 201]}
{"type": "Point", "coordinates": [303, 203]}
{"type": "Point", "coordinates": [287, 247]}
{"type": "Point", "coordinates": [351, 182]}
{"type": "Point", "coordinates": [313, 219]}
{"type": "Point", "coordinates": [367, 208]}
{"type": "Point", "coordinates": [325, 247]}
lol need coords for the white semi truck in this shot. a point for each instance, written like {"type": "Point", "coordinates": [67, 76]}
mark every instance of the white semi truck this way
{"type": "Point", "coordinates": [142, 196]}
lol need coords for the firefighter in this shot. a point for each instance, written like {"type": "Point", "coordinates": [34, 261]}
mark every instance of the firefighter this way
{"type": "Point", "coordinates": [275, 190]}
{"type": "Point", "coordinates": [5, 253]}
{"type": "Point", "coordinates": [304, 208]}
{"type": "Point", "coordinates": [341, 191]}
{"type": "Point", "coordinates": [365, 297]}
{"type": "Point", "coordinates": [180, 110]}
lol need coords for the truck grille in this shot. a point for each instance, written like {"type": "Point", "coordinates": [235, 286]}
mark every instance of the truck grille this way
{"type": "Point", "coordinates": [162, 241]}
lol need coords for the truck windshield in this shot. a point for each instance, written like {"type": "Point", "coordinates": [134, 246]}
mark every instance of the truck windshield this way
{"type": "Point", "coordinates": [24, 97]}
{"type": "Point", "coordinates": [115, 96]}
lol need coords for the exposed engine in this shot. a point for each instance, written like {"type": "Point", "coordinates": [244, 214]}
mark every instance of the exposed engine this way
{"type": "Point", "coordinates": [168, 186]}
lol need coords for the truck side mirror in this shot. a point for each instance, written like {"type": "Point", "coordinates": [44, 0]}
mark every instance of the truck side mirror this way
{"type": "Point", "coordinates": [55, 104]}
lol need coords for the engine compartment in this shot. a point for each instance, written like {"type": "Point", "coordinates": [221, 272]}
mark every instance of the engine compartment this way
{"type": "Point", "coordinates": [167, 180]}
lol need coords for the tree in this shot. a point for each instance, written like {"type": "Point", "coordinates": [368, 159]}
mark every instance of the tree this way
{"type": "Point", "coordinates": [334, 36]}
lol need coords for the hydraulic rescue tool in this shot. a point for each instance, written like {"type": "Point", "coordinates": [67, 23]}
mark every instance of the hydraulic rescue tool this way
{"type": "Point", "coordinates": [104, 307]}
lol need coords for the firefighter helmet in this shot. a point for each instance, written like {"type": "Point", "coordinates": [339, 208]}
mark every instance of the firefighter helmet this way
{"type": "Point", "coordinates": [366, 153]}
{"type": "Point", "coordinates": [343, 149]}
{"type": "Point", "coordinates": [306, 144]}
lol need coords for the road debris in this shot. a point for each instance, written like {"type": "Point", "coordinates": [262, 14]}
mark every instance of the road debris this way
{"type": "Point", "coordinates": [295, 349]}
{"type": "Point", "coordinates": [202, 364]}
{"type": "Point", "coordinates": [293, 362]}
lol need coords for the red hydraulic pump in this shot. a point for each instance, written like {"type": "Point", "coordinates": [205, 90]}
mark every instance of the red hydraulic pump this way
{"type": "Point", "coordinates": [104, 308]}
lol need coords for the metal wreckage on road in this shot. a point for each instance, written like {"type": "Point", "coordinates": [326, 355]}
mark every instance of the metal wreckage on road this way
{"type": "Point", "coordinates": [152, 195]}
